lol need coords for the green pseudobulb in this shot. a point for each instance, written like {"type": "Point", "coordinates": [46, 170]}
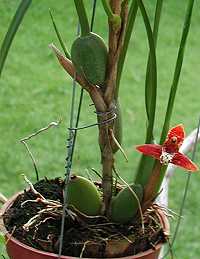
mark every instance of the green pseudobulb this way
{"type": "Point", "coordinates": [124, 205]}
{"type": "Point", "coordinates": [84, 196]}
{"type": "Point", "coordinates": [89, 56]}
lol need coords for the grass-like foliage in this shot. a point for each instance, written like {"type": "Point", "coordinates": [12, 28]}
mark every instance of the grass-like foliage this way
{"type": "Point", "coordinates": [16, 21]}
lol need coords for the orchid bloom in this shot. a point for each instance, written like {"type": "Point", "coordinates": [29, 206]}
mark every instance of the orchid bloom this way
{"type": "Point", "coordinates": [169, 151]}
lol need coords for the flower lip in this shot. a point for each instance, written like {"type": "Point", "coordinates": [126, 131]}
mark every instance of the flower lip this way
{"type": "Point", "coordinates": [166, 158]}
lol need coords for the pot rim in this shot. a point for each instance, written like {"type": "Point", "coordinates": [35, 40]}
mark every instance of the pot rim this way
{"type": "Point", "coordinates": [9, 237]}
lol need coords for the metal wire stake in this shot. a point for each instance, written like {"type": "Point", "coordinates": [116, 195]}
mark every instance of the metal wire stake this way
{"type": "Point", "coordinates": [68, 160]}
{"type": "Point", "coordinates": [95, 124]}
{"type": "Point", "coordinates": [71, 144]}
{"type": "Point", "coordinates": [82, 90]}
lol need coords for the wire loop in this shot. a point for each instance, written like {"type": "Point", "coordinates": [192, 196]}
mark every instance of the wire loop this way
{"type": "Point", "coordinates": [97, 123]}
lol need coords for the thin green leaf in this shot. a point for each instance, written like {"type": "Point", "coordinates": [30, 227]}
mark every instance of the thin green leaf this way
{"type": "Point", "coordinates": [143, 172]}
{"type": "Point", "coordinates": [177, 71]}
{"type": "Point", "coordinates": [153, 71]}
{"type": "Point", "coordinates": [83, 19]}
{"type": "Point", "coordinates": [59, 36]}
{"type": "Point", "coordinates": [14, 25]}
{"type": "Point", "coordinates": [127, 37]}
{"type": "Point", "coordinates": [149, 83]}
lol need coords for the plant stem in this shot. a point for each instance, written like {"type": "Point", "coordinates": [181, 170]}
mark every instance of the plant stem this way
{"type": "Point", "coordinates": [107, 159]}
{"type": "Point", "coordinates": [116, 37]}
{"type": "Point", "coordinates": [80, 8]}
{"type": "Point", "coordinates": [107, 9]}
{"type": "Point", "coordinates": [116, 41]}
{"type": "Point", "coordinates": [113, 18]}
{"type": "Point", "coordinates": [150, 190]}
{"type": "Point", "coordinates": [128, 33]}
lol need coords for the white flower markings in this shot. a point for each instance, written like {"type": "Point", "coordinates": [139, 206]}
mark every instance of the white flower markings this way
{"type": "Point", "coordinates": [166, 157]}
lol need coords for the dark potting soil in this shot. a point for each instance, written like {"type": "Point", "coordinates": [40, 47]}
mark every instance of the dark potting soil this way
{"type": "Point", "coordinates": [85, 236]}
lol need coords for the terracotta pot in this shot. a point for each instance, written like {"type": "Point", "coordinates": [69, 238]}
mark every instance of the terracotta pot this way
{"type": "Point", "coordinates": [18, 250]}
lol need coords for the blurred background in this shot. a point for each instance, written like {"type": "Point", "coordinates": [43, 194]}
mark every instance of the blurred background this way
{"type": "Point", "coordinates": [35, 90]}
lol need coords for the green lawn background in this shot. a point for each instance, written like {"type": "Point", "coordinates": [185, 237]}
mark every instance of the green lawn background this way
{"type": "Point", "coordinates": [34, 91]}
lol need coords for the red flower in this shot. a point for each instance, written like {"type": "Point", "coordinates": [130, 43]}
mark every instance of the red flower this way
{"type": "Point", "coordinates": [169, 151]}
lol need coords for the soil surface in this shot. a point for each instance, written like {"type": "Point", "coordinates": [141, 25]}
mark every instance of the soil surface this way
{"type": "Point", "coordinates": [83, 236]}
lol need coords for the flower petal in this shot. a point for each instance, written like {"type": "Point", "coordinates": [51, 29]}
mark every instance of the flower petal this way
{"type": "Point", "coordinates": [174, 139]}
{"type": "Point", "coordinates": [150, 150]}
{"type": "Point", "coordinates": [177, 131]}
{"type": "Point", "coordinates": [183, 161]}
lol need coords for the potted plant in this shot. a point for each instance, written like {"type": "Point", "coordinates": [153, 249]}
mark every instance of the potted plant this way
{"type": "Point", "coordinates": [74, 216]}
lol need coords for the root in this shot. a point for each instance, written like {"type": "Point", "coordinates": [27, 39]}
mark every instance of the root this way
{"type": "Point", "coordinates": [35, 221]}
{"type": "Point", "coordinates": [84, 247]}
{"type": "Point", "coordinates": [51, 208]}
